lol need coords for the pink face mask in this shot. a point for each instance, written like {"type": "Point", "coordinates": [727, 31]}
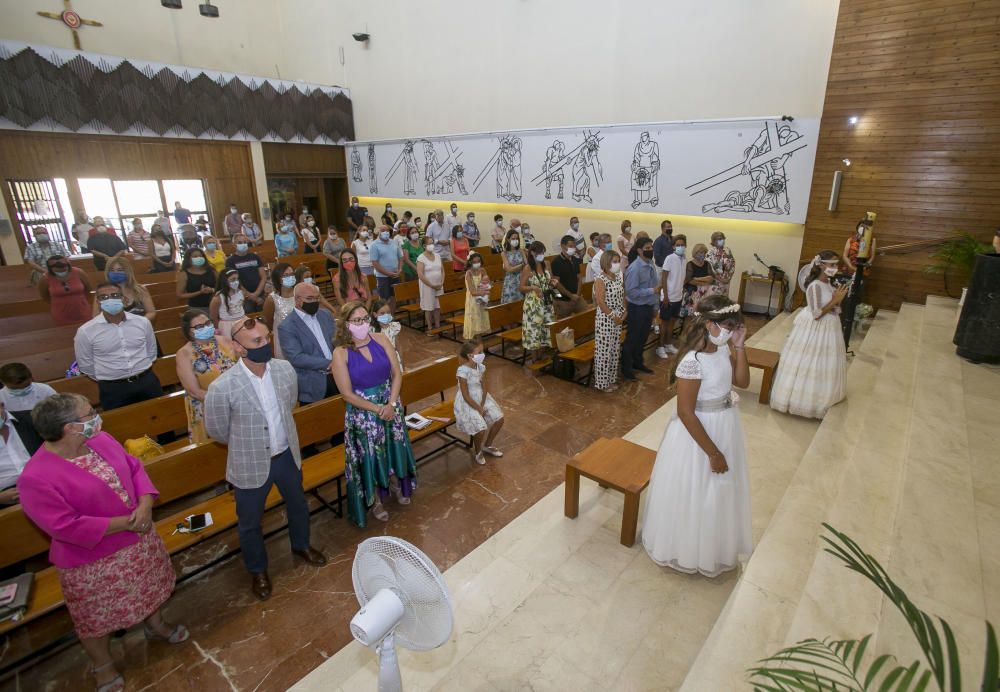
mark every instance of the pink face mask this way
{"type": "Point", "coordinates": [358, 331]}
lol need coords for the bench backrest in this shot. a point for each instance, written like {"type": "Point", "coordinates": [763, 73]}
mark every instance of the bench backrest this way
{"type": "Point", "coordinates": [159, 415]}
{"type": "Point", "coordinates": [506, 314]}
{"type": "Point", "coordinates": [406, 291]}
{"type": "Point", "coordinates": [318, 421]}
{"type": "Point", "coordinates": [431, 379]}
{"type": "Point", "coordinates": [582, 325]}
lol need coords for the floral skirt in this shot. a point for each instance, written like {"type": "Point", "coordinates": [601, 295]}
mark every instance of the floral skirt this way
{"type": "Point", "coordinates": [375, 450]}
{"type": "Point", "coordinates": [120, 589]}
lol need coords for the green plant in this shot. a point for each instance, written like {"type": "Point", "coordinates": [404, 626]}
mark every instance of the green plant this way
{"type": "Point", "coordinates": [957, 255]}
{"type": "Point", "coordinates": [828, 665]}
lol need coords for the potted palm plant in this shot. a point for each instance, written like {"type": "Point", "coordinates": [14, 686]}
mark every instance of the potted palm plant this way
{"type": "Point", "coordinates": [955, 258]}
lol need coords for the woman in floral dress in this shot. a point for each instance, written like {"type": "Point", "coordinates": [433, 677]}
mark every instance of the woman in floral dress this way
{"type": "Point", "coordinates": [723, 263]}
{"type": "Point", "coordinates": [536, 285]}
{"type": "Point", "coordinates": [513, 262]}
{"type": "Point", "coordinates": [200, 361]}
{"type": "Point", "coordinates": [379, 458]}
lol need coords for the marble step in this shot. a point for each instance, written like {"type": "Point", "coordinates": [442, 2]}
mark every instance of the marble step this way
{"type": "Point", "coordinates": [772, 334]}
{"type": "Point", "coordinates": [762, 606]}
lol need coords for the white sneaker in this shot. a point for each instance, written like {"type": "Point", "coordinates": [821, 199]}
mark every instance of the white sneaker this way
{"type": "Point", "coordinates": [662, 352]}
{"type": "Point", "coordinates": [671, 349]}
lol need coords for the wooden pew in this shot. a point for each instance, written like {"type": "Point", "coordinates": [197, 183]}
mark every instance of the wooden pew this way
{"type": "Point", "coordinates": [165, 369]}
{"type": "Point", "coordinates": [153, 417]}
{"type": "Point", "coordinates": [453, 323]}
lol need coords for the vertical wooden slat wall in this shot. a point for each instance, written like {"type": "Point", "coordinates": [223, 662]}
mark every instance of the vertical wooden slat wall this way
{"type": "Point", "coordinates": [923, 78]}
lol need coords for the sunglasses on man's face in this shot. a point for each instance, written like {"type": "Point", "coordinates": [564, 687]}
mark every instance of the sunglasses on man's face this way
{"type": "Point", "coordinates": [250, 323]}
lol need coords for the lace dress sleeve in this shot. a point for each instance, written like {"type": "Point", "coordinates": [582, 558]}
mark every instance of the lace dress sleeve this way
{"type": "Point", "coordinates": [689, 368]}
{"type": "Point", "coordinates": [814, 299]}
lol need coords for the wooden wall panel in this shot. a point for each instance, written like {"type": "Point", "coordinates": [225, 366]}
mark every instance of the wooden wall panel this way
{"type": "Point", "coordinates": [224, 166]}
{"type": "Point", "coordinates": [324, 161]}
{"type": "Point", "coordinates": [923, 77]}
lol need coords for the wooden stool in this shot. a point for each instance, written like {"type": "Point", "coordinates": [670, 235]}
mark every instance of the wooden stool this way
{"type": "Point", "coordinates": [768, 362]}
{"type": "Point", "coordinates": [617, 464]}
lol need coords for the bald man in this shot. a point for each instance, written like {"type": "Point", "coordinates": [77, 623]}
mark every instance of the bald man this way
{"type": "Point", "coordinates": [306, 338]}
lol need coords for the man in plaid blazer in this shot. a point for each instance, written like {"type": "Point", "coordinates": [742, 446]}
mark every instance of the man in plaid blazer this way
{"type": "Point", "coordinates": [249, 408]}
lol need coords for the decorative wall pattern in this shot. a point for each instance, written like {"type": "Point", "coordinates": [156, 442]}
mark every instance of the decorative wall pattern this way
{"type": "Point", "coordinates": [60, 90]}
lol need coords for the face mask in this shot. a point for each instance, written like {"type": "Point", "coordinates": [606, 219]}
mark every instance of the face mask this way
{"type": "Point", "coordinates": [60, 275]}
{"type": "Point", "coordinates": [648, 254]}
{"type": "Point", "coordinates": [459, 235]}
{"type": "Point", "coordinates": [197, 261]}
{"type": "Point", "coordinates": [384, 235]}
{"type": "Point", "coordinates": [616, 267]}
{"type": "Point", "coordinates": [454, 211]}
{"type": "Point", "coordinates": [234, 285]}
{"type": "Point", "coordinates": [349, 264]}
{"type": "Point", "coordinates": [500, 223]}
{"type": "Point", "coordinates": [232, 210]}
{"type": "Point", "coordinates": [311, 224]}
{"type": "Point", "coordinates": [117, 277]}
{"type": "Point", "coordinates": [21, 392]}
{"type": "Point", "coordinates": [720, 243]}
{"type": "Point", "coordinates": [680, 250]}
{"type": "Point", "coordinates": [261, 354]}
{"type": "Point", "coordinates": [204, 333]}
{"type": "Point", "coordinates": [112, 306]}
{"type": "Point", "coordinates": [384, 319]}
{"type": "Point", "coordinates": [539, 258]}
{"type": "Point", "coordinates": [571, 251]}
{"type": "Point", "coordinates": [210, 246]}
{"type": "Point", "coordinates": [627, 229]}
{"type": "Point", "coordinates": [608, 246]}
{"type": "Point", "coordinates": [429, 247]}
{"type": "Point", "coordinates": [478, 358]}
{"type": "Point", "coordinates": [700, 257]}
{"type": "Point", "coordinates": [310, 308]}
{"type": "Point", "coordinates": [354, 205]}
{"type": "Point", "coordinates": [722, 338]}
{"type": "Point", "coordinates": [830, 271]}
{"type": "Point", "coordinates": [305, 210]}
{"type": "Point", "coordinates": [414, 236]}
{"type": "Point", "coordinates": [241, 247]}
{"type": "Point", "coordinates": [525, 230]}
{"type": "Point", "coordinates": [42, 238]}
{"type": "Point", "coordinates": [91, 427]}
{"type": "Point", "coordinates": [102, 228]}
{"type": "Point", "coordinates": [515, 243]}
{"type": "Point", "coordinates": [471, 219]}
{"type": "Point", "coordinates": [364, 234]}
{"type": "Point", "coordinates": [575, 226]}
{"type": "Point", "coordinates": [288, 281]}
{"type": "Point", "coordinates": [388, 209]}
{"type": "Point", "coordinates": [358, 331]}
{"type": "Point", "coordinates": [307, 280]}
{"type": "Point", "coordinates": [477, 265]}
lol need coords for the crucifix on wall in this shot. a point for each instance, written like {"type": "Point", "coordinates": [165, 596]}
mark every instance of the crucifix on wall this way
{"type": "Point", "coordinates": [71, 19]}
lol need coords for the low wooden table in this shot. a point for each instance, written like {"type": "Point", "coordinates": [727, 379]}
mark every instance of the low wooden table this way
{"type": "Point", "coordinates": [618, 464]}
{"type": "Point", "coordinates": [768, 362]}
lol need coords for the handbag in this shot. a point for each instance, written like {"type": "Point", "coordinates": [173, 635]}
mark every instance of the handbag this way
{"type": "Point", "coordinates": [566, 340]}
{"type": "Point", "coordinates": [143, 448]}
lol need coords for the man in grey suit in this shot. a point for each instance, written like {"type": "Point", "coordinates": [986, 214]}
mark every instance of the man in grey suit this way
{"type": "Point", "coordinates": [306, 338]}
{"type": "Point", "coordinates": [249, 408]}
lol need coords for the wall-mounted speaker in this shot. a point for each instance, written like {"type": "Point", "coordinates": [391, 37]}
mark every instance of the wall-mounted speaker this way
{"type": "Point", "coordinates": [838, 178]}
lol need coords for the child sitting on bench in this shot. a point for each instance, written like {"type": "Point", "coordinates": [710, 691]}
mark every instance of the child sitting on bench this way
{"type": "Point", "coordinates": [477, 414]}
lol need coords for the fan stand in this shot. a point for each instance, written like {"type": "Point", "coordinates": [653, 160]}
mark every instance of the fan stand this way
{"type": "Point", "coordinates": [389, 679]}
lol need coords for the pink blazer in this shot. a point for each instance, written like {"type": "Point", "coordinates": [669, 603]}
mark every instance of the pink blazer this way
{"type": "Point", "coordinates": [74, 507]}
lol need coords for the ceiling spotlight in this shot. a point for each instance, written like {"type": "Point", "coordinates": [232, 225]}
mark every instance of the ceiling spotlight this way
{"type": "Point", "coordinates": [853, 120]}
{"type": "Point", "coordinates": [207, 9]}
{"type": "Point", "coordinates": [171, 4]}
{"type": "Point", "coordinates": [847, 162]}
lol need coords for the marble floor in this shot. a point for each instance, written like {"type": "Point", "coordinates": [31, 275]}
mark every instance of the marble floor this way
{"type": "Point", "coordinates": [239, 643]}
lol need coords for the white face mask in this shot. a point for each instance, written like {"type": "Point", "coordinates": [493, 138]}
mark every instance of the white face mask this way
{"type": "Point", "coordinates": [720, 243]}
{"type": "Point", "coordinates": [478, 358]}
{"type": "Point", "coordinates": [234, 285]}
{"type": "Point", "coordinates": [723, 338]}
{"type": "Point", "coordinates": [571, 251]}
{"type": "Point", "coordinates": [539, 258]}
{"type": "Point", "coordinates": [477, 265]}
{"type": "Point", "coordinates": [627, 229]}
{"type": "Point", "coordinates": [616, 267]}
{"type": "Point", "coordinates": [515, 242]}
{"type": "Point", "coordinates": [830, 271]}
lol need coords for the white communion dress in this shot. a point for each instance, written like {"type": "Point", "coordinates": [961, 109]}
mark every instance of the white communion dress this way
{"type": "Point", "coordinates": [812, 371]}
{"type": "Point", "coordinates": [697, 521]}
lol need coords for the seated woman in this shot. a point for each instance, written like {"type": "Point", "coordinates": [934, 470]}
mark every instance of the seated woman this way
{"type": "Point", "coordinates": [332, 247]}
{"type": "Point", "coordinates": [349, 284]}
{"type": "Point", "coordinates": [67, 291]}
{"type": "Point", "coordinates": [226, 307]}
{"type": "Point", "coordinates": [95, 502]}
{"type": "Point", "coordinates": [196, 279]}
{"type": "Point", "coordinates": [204, 357]}
{"type": "Point", "coordinates": [379, 458]}
{"type": "Point", "coordinates": [137, 299]}
{"type": "Point", "coordinates": [214, 254]}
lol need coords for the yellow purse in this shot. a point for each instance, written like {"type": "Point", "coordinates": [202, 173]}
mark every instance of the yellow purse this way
{"type": "Point", "coordinates": [144, 448]}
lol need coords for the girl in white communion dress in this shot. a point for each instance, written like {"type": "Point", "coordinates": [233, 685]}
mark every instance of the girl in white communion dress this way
{"type": "Point", "coordinates": [698, 506]}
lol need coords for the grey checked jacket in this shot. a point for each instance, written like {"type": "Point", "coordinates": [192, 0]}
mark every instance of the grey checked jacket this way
{"type": "Point", "coordinates": [233, 416]}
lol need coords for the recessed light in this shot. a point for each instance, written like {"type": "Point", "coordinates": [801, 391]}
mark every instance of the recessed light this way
{"type": "Point", "coordinates": [847, 162]}
{"type": "Point", "coordinates": [853, 120]}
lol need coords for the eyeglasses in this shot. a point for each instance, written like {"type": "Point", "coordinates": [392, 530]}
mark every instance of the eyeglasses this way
{"type": "Point", "coordinates": [359, 320]}
{"type": "Point", "coordinates": [250, 323]}
{"type": "Point", "coordinates": [108, 296]}
{"type": "Point", "coordinates": [200, 325]}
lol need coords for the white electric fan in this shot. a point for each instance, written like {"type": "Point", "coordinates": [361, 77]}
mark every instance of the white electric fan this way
{"type": "Point", "coordinates": [403, 600]}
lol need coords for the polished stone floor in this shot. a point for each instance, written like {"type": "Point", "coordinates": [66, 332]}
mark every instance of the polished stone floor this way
{"type": "Point", "coordinates": [242, 644]}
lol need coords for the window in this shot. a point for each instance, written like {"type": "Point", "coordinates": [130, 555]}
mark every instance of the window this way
{"type": "Point", "coordinates": [36, 204]}
{"type": "Point", "coordinates": [120, 201]}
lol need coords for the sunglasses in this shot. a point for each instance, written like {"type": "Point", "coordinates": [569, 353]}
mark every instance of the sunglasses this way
{"type": "Point", "coordinates": [250, 323]}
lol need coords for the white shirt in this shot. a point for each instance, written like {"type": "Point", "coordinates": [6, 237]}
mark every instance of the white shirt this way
{"type": "Point", "coordinates": [13, 456]}
{"type": "Point", "coordinates": [107, 351]}
{"type": "Point", "coordinates": [675, 266]}
{"type": "Point", "coordinates": [442, 239]}
{"type": "Point", "coordinates": [593, 267]}
{"type": "Point", "coordinates": [39, 391]}
{"type": "Point", "coordinates": [313, 323]}
{"type": "Point", "coordinates": [362, 248]}
{"type": "Point", "coordinates": [268, 398]}
{"type": "Point", "coordinates": [581, 244]}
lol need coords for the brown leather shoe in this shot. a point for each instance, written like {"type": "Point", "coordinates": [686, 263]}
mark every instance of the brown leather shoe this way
{"type": "Point", "coordinates": [260, 584]}
{"type": "Point", "coordinates": [312, 556]}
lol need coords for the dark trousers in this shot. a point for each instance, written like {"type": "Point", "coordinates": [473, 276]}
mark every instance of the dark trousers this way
{"type": "Point", "coordinates": [250, 511]}
{"type": "Point", "coordinates": [331, 390]}
{"type": "Point", "coordinates": [123, 392]}
{"type": "Point", "coordinates": [638, 320]}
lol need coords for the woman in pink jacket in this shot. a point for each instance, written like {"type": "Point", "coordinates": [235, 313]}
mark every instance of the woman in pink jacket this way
{"type": "Point", "coordinates": [95, 502]}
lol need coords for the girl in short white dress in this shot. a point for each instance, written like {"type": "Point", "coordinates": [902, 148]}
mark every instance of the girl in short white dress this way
{"type": "Point", "coordinates": [477, 413]}
{"type": "Point", "coordinates": [697, 516]}
{"type": "Point", "coordinates": [812, 372]}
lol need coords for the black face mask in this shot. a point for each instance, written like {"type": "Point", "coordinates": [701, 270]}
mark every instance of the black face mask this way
{"type": "Point", "coordinates": [261, 354]}
{"type": "Point", "coordinates": [310, 308]}
{"type": "Point", "coordinates": [648, 254]}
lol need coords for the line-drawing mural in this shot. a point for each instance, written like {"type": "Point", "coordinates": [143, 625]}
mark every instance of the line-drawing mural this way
{"type": "Point", "coordinates": [372, 177]}
{"type": "Point", "coordinates": [645, 172]}
{"type": "Point", "coordinates": [507, 162]}
{"type": "Point", "coordinates": [356, 172]}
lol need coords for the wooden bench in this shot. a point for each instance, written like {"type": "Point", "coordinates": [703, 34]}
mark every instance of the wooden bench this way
{"type": "Point", "coordinates": [153, 417]}
{"type": "Point", "coordinates": [457, 321]}
{"type": "Point", "coordinates": [427, 381]}
{"type": "Point", "coordinates": [617, 464]}
{"type": "Point", "coordinates": [768, 362]}
{"type": "Point", "coordinates": [165, 369]}
{"type": "Point", "coordinates": [407, 295]}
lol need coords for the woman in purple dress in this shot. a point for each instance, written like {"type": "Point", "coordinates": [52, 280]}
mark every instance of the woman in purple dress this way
{"type": "Point", "coordinates": [379, 458]}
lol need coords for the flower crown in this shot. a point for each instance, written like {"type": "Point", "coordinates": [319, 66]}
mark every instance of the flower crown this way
{"type": "Point", "coordinates": [817, 260]}
{"type": "Point", "coordinates": [735, 307]}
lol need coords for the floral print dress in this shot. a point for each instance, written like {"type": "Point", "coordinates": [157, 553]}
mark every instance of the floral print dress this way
{"type": "Point", "coordinates": [512, 279]}
{"type": "Point", "coordinates": [723, 266]}
{"type": "Point", "coordinates": [538, 312]}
